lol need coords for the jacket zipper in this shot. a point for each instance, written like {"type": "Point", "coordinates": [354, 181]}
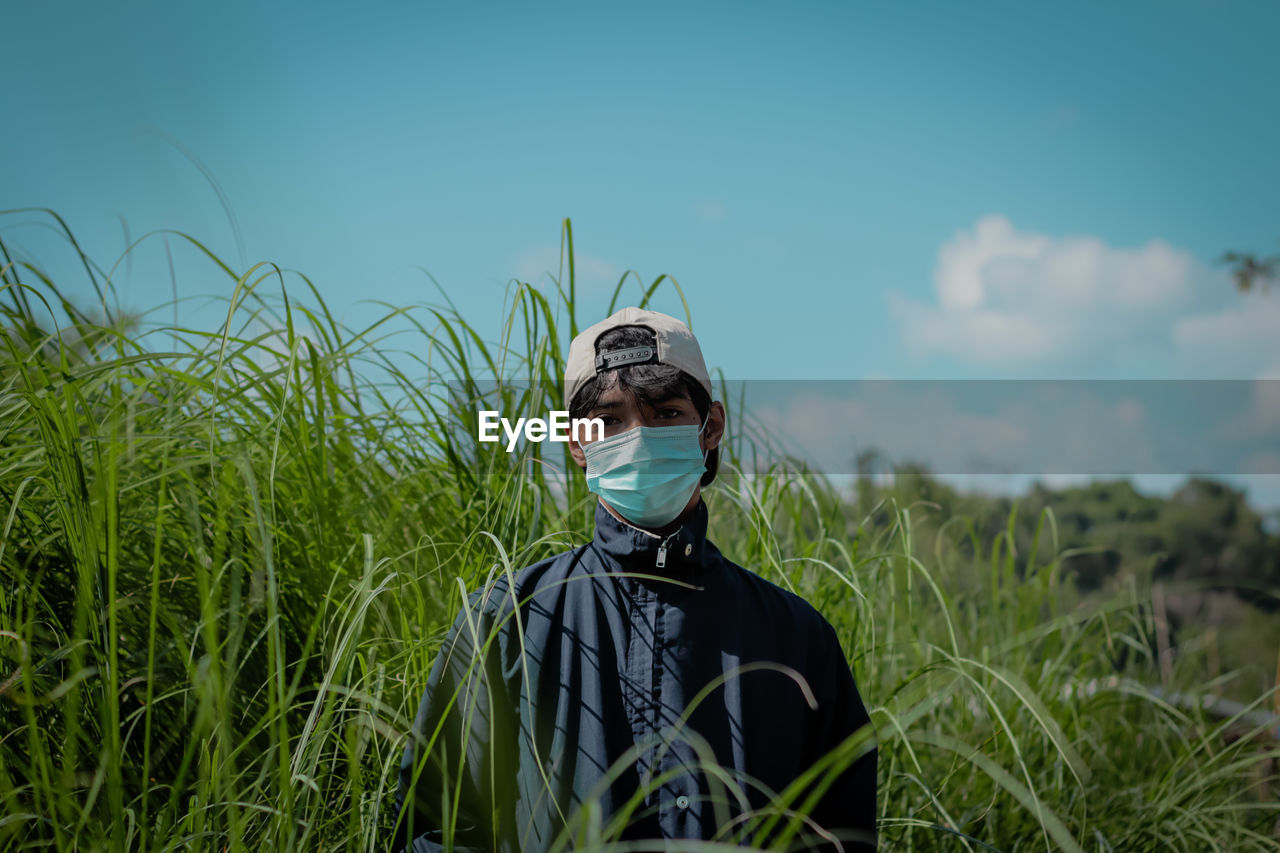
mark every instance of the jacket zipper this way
{"type": "Point", "coordinates": [662, 549]}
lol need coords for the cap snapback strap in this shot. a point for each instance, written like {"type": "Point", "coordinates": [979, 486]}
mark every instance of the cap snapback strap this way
{"type": "Point", "coordinates": [625, 357]}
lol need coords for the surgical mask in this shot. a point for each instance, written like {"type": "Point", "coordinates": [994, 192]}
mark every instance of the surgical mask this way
{"type": "Point", "coordinates": [647, 474]}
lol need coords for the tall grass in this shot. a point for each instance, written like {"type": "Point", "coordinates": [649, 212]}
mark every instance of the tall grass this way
{"type": "Point", "coordinates": [229, 556]}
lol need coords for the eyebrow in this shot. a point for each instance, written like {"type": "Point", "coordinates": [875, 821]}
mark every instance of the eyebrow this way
{"type": "Point", "coordinates": [648, 401]}
{"type": "Point", "coordinates": [662, 401]}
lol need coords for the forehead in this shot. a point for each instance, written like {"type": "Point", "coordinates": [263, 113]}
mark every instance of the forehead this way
{"type": "Point", "coordinates": [617, 394]}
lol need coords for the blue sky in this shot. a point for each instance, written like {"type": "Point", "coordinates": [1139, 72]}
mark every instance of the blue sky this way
{"type": "Point", "coordinates": [845, 190]}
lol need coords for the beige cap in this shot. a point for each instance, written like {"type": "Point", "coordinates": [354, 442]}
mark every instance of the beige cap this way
{"type": "Point", "coordinates": [676, 346]}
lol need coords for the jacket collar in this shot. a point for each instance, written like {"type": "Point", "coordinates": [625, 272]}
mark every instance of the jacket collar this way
{"type": "Point", "coordinates": [628, 548]}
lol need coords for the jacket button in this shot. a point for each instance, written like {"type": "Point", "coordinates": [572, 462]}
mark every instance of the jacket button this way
{"type": "Point", "coordinates": [682, 802]}
{"type": "Point", "coordinates": [688, 549]}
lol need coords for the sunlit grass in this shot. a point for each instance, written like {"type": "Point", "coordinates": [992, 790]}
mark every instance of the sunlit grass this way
{"type": "Point", "coordinates": [229, 557]}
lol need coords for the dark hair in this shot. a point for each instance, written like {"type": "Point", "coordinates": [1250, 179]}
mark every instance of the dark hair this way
{"type": "Point", "coordinates": [646, 383]}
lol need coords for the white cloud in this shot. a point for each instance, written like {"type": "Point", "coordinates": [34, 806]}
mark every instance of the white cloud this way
{"type": "Point", "coordinates": [711, 211]}
{"type": "Point", "coordinates": [1021, 427]}
{"type": "Point", "coordinates": [1264, 463]}
{"type": "Point", "coordinates": [1261, 418]}
{"type": "Point", "coordinates": [1246, 332]}
{"type": "Point", "coordinates": [535, 263]}
{"type": "Point", "coordinates": [1035, 302]}
{"type": "Point", "coordinates": [959, 276]}
{"type": "Point", "coordinates": [272, 350]}
{"type": "Point", "coordinates": [831, 431]}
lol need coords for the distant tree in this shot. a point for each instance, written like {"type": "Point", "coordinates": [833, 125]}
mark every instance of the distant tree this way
{"type": "Point", "coordinates": [1249, 269]}
{"type": "Point", "coordinates": [1212, 534]}
{"type": "Point", "coordinates": [1107, 523]}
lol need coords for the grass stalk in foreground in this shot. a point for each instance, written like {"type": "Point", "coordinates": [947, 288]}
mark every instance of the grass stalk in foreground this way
{"type": "Point", "coordinates": [229, 557]}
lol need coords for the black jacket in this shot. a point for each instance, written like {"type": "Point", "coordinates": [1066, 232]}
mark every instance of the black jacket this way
{"type": "Point", "coordinates": [654, 680]}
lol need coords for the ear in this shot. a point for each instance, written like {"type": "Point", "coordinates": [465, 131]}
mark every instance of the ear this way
{"type": "Point", "coordinates": [575, 450]}
{"type": "Point", "coordinates": [715, 427]}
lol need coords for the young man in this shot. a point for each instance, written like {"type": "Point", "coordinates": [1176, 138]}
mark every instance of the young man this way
{"type": "Point", "coordinates": [641, 686]}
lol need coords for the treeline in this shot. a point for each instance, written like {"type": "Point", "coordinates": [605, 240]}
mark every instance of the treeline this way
{"type": "Point", "coordinates": [1205, 532]}
{"type": "Point", "coordinates": [1215, 557]}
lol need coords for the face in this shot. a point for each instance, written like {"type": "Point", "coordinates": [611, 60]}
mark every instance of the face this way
{"type": "Point", "coordinates": [621, 411]}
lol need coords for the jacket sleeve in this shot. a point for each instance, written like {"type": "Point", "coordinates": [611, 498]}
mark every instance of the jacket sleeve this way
{"type": "Point", "coordinates": [848, 808]}
{"type": "Point", "coordinates": [457, 778]}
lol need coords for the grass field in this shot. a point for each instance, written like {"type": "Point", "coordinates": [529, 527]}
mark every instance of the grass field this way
{"type": "Point", "coordinates": [230, 554]}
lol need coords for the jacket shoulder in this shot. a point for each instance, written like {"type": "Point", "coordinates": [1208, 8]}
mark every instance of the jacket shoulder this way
{"type": "Point", "coordinates": [494, 593]}
{"type": "Point", "coordinates": [779, 605]}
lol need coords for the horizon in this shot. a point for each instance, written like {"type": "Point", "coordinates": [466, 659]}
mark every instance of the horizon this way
{"type": "Point", "coordinates": [1005, 192]}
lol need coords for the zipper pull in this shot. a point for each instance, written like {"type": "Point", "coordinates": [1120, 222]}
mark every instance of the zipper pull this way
{"type": "Point", "coordinates": [662, 549]}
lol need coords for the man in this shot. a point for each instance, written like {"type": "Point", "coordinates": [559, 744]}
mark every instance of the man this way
{"type": "Point", "coordinates": [640, 686]}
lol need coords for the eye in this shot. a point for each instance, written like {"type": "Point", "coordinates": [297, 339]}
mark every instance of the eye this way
{"type": "Point", "coordinates": [609, 420]}
{"type": "Point", "coordinates": [669, 412]}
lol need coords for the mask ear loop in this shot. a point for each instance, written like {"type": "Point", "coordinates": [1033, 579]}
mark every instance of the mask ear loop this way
{"type": "Point", "coordinates": [701, 430]}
